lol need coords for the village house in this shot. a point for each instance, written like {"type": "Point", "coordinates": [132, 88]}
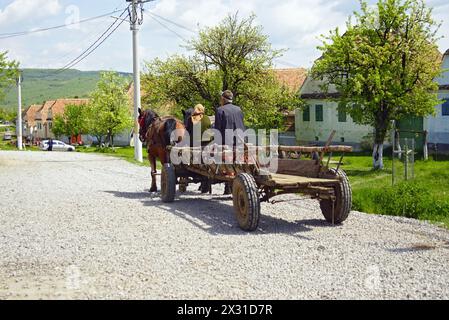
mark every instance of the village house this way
{"type": "Point", "coordinates": [321, 116]}
{"type": "Point", "coordinates": [293, 79]}
{"type": "Point", "coordinates": [29, 120]}
{"type": "Point", "coordinates": [38, 119]}
{"type": "Point", "coordinates": [438, 125]}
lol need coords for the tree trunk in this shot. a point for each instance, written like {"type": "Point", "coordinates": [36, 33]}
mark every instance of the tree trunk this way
{"type": "Point", "coordinates": [380, 132]}
{"type": "Point", "coordinates": [378, 162]}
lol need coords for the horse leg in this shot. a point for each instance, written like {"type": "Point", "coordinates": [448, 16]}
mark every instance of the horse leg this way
{"type": "Point", "coordinates": [153, 173]}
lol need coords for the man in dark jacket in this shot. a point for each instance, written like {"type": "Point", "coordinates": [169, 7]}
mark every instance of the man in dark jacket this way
{"type": "Point", "coordinates": [228, 117]}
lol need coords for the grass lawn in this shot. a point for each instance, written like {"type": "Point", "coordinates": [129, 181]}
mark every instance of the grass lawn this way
{"type": "Point", "coordinates": [426, 197]}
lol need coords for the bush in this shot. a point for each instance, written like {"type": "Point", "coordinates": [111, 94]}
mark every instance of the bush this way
{"type": "Point", "coordinates": [408, 199]}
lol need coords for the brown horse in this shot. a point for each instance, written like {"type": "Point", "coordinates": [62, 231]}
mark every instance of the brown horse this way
{"type": "Point", "coordinates": [157, 133]}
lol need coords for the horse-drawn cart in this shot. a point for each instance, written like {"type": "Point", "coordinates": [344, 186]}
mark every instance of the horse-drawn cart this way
{"type": "Point", "coordinates": [299, 170]}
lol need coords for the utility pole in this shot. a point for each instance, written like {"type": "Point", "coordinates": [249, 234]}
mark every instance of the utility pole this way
{"type": "Point", "coordinates": [135, 22]}
{"type": "Point", "coordinates": [19, 112]}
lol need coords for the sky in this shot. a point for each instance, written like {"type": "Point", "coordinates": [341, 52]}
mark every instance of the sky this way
{"type": "Point", "coordinates": [293, 25]}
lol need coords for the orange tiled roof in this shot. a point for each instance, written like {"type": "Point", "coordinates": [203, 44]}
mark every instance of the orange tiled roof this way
{"type": "Point", "coordinates": [31, 113]}
{"type": "Point", "coordinates": [293, 78]}
{"type": "Point", "coordinates": [42, 114]}
{"type": "Point", "coordinates": [59, 105]}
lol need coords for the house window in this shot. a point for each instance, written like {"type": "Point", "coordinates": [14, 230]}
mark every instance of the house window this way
{"type": "Point", "coordinates": [50, 125]}
{"type": "Point", "coordinates": [319, 112]}
{"type": "Point", "coordinates": [341, 116]}
{"type": "Point", "coordinates": [306, 114]}
{"type": "Point", "coordinates": [445, 108]}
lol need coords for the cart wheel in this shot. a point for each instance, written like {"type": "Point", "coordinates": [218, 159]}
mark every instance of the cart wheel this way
{"type": "Point", "coordinates": [168, 183]}
{"type": "Point", "coordinates": [246, 201]}
{"type": "Point", "coordinates": [343, 201]}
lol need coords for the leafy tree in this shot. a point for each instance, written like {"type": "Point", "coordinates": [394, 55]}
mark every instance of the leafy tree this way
{"type": "Point", "coordinates": [72, 122]}
{"type": "Point", "coordinates": [59, 127]}
{"type": "Point", "coordinates": [8, 73]}
{"type": "Point", "coordinates": [94, 126]}
{"type": "Point", "coordinates": [8, 115]}
{"type": "Point", "coordinates": [383, 65]}
{"type": "Point", "coordinates": [109, 111]}
{"type": "Point", "coordinates": [233, 55]}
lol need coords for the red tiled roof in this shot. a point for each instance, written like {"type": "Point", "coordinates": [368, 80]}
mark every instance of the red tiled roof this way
{"type": "Point", "coordinates": [60, 104]}
{"type": "Point", "coordinates": [42, 114]}
{"type": "Point", "coordinates": [31, 113]}
{"type": "Point", "coordinates": [293, 78]}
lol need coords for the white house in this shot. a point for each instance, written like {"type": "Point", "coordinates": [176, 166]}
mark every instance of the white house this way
{"type": "Point", "coordinates": [438, 125]}
{"type": "Point", "coordinates": [315, 123]}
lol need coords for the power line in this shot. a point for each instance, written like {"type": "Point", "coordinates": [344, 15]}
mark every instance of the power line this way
{"type": "Point", "coordinates": [171, 21]}
{"type": "Point", "coordinates": [88, 51]}
{"type": "Point", "coordinates": [169, 29]}
{"type": "Point", "coordinates": [23, 33]}
{"type": "Point", "coordinates": [69, 64]}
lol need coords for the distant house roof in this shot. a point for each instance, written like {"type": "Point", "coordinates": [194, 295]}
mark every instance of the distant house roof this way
{"type": "Point", "coordinates": [42, 114]}
{"type": "Point", "coordinates": [31, 113]}
{"type": "Point", "coordinates": [59, 105]}
{"type": "Point", "coordinates": [293, 78]}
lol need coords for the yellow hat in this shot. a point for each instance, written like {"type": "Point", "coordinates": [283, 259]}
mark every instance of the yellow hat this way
{"type": "Point", "coordinates": [198, 113]}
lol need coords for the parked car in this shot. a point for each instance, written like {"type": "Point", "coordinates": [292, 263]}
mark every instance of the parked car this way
{"type": "Point", "coordinates": [7, 136]}
{"type": "Point", "coordinates": [57, 146]}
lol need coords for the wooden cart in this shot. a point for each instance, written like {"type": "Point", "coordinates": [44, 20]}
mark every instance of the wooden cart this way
{"type": "Point", "coordinates": [300, 170]}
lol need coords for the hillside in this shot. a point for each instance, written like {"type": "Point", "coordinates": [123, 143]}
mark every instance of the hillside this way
{"type": "Point", "coordinates": [44, 84]}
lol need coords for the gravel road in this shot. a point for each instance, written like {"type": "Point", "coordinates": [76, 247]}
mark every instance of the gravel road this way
{"type": "Point", "coordinates": [78, 225]}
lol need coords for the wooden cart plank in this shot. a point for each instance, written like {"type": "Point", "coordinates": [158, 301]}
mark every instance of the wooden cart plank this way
{"type": "Point", "coordinates": [286, 179]}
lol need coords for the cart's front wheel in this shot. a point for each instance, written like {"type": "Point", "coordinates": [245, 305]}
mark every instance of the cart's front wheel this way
{"type": "Point", "coordinates": [246, 201]}
{"type": "Point", "coordinates": [168, 183]}
{"type": "Point", "coordinates": [336, 212]}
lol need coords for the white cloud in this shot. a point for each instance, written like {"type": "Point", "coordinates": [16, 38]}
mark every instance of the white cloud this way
{"type": "Point", "coordinates": [290, 24]}
{"type": "Point", "coordinates": [24, 10]}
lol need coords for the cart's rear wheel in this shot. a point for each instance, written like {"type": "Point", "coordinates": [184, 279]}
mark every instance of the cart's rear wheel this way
{"type": "Point", "coordinates": [168, 183]}
{"type": "Point", "coordinates": [246, 201]}
{"type": "Point", "coordinates": [343, 199]}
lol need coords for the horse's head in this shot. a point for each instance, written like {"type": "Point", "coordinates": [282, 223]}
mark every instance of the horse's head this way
{"type": "Point", "coordinates": [145, 119]}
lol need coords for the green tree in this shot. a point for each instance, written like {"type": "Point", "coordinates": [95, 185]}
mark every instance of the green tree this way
{"type": "Point", "coordinates": [384, 65]}
{"type": "Point", "coordinates": [8, 73]}
{"type": "Point", "coordinates": [59, 127]}
{"type": "Point", "coordinates": [72, 122]}
{"type": "Point", "coordinates": [233, 55]}
{"type": "Point", "coordinates": [109, 111]}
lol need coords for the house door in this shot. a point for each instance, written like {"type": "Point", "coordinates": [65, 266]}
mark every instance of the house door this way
{"type": "Point", "coordinates": [411, 127]}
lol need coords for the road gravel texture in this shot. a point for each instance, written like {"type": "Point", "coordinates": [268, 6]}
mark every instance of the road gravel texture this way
{"type": "Point", "coordinates": [78, 226]}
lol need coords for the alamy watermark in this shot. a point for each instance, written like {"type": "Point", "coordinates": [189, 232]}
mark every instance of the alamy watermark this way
{"type": "Point", "coordinates": [235, 147]}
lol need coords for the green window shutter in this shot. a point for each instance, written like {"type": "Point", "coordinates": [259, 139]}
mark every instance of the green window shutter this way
{"type": "Point", "coordinates": [445, 108]}
{"type": "Point", "coordinates": [306, 114]}
{"type": "Point", "coordinates": [319, 112]}
{"type": "Point", "coordinates": [341, 116]}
